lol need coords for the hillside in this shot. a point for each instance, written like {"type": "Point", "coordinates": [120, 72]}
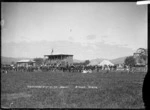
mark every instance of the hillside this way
{"type": "Point", "coordinates": [96, 61]}
{"type": "Point", "coordinates": [118, 60]}
{"type": "Point", "coordinates": [9, 60]}
{"type": "Point", "coordinates": [77, 61]}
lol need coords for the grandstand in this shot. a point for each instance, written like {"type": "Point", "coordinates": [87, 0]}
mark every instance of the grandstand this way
{"type": "Point", "coordinates": [62, 59]}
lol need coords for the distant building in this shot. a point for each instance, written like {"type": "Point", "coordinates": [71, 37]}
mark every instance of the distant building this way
{"type": "Point", "coordinates": [62, 59]}
{"type": "Point", "coordinates": [25, 63]}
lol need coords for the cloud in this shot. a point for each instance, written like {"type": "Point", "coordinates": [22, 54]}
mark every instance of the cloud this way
{"type": "Point", "coordinates": [94, 46]}
{"type": "Point", "coordinates": [84, 44]}
{"type": "Point", "coordinates": [114, 42]}
{"type": "Point", "coordinates": [91, 51]}
{"type": "Point", "coordinates": [104, 36]}
{"type": "Point", "coordinates": [71, 38]}
{"type": "Point", "coordinates": [118, 44]}
{"type": "Point", "coordinates": [91, 37]}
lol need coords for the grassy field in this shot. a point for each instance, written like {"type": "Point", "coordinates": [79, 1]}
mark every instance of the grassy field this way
{"type": "Point", "coordinates": [114, 90]}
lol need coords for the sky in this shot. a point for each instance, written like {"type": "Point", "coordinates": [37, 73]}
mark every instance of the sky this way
{"type": "Point", "coordinates": [85, 30]}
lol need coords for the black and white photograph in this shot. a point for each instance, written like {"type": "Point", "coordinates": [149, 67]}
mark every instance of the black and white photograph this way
{"type": "Point", "coordinates": [73, 54]}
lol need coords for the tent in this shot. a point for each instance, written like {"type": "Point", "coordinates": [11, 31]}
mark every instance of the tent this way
{"type": "Point", "coordinates": [105, 62]}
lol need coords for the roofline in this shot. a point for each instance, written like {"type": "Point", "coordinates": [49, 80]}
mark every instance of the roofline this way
{"type": "Point", "coordinates": [25, 61]}
{"type": "Point", "coordinates": [58, 55]}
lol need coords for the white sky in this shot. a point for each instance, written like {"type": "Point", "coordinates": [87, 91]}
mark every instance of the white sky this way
{"type": "Point", "coordinates": [86, 30]}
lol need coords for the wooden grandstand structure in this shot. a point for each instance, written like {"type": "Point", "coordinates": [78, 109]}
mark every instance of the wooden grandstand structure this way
{"type": "Point", "coordinates": [63, 59]}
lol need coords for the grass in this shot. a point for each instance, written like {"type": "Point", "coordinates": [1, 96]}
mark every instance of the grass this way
{"type": "Point", "coordinates": [115, 90]}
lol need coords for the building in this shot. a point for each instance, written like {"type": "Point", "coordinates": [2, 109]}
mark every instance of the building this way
{"type": "Point", "coordinates": [62, 59]}
{"type": "Point", "coordinates": [25, 63]}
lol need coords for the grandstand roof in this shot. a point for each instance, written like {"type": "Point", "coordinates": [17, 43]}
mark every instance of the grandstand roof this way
{"type": "Point", "coordinates": [25, 61]}
{"type": "Point", "coordinates": [58, 55]}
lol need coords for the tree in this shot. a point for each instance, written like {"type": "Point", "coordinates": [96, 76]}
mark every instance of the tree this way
{"type": "Point", "coordinates": [38, 61]}
{"type": "Point", "coordinates": [142, 58]}
{"type": "Point", "coordinates": [129, 61]}
{"type": "Point", "coordinates": [143, 55]}
{"type": "Point", "coordinates": [12, 62]}
{"type": "Point", "coordinates": [86, 62]}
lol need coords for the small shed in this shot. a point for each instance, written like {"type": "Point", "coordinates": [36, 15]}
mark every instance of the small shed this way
{"type": "Point", "coordinates": [26, 63]}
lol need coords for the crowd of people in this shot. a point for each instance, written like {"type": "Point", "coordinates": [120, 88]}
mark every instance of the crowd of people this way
{"type": "Point", "coordinates": [53, 68]}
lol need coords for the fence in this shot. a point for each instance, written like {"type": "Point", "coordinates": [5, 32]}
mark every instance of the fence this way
{"type": "Point", "coordinates": [139, 69]}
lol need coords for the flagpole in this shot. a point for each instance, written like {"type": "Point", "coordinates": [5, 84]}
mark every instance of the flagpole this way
{"type": "Point", "coordinates": [52, 52]}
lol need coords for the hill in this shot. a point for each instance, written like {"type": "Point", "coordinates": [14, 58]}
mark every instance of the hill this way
{"type": "Point", "coordinates": [77, 61]}
{"type": "Point", "coordinates": [96, 61]}
{"type": "Point", "coordinates": [118, 60]}
{"type": "Point", "coordinates": [9, 60]}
